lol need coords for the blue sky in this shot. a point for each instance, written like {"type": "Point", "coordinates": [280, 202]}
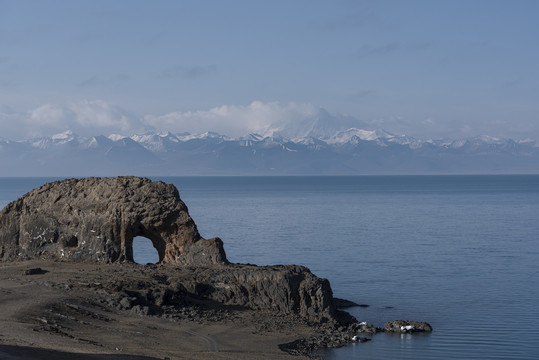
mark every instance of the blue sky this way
{"type": "Point", "coordinates": [435, 68]}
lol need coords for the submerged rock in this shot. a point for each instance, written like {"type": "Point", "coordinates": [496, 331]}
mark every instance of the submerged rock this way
{"type": "Point", "coordinates": [343, 303]}
{"type": "Point", "coordinates": [96, 219]}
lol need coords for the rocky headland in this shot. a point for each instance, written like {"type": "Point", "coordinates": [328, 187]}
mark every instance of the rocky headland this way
{"type": "Point", "coordinates": [96, 219]}
{"type": "Point", "coordinates": [67, 253]}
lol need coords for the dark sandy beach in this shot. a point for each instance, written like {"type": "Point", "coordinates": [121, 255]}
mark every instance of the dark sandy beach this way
{"type": "Point", "coordinates": [65, 312]}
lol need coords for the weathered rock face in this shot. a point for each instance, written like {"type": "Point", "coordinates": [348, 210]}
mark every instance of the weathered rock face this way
{"type": "Point", "coordinates": [280, 289]}
{"type": "Point", "coordinates": [96, 219]}
{"type": "Point", "coordinates": [286, 289]}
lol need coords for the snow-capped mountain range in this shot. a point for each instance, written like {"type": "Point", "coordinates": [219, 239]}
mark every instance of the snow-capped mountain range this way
{"type": "Point", "coordinates": [317, 150]}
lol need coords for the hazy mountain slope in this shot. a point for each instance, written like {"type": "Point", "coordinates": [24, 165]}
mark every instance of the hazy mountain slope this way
{"type": "Point", "coordinates": [352, 151]}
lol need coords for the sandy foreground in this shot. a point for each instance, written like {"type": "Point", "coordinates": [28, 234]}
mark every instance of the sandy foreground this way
{"type": "Point", "coordinates": [61, 313]}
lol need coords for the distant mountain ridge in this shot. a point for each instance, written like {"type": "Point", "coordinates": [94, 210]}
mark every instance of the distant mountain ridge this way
{"type": "Point", "coordinates": [318, 151]}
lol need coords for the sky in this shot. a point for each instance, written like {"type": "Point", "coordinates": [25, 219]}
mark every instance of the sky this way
{"type": "Point", "coordinates": [426, 68]}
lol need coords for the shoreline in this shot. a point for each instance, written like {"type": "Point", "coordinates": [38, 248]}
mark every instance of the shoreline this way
{"type": "Point", "coordinates": [83, 293]}
{"type": "Point", "coordinates": [62, 309]}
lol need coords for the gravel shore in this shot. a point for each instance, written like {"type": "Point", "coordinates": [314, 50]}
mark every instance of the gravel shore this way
{"type": "Point", "coordinates": [78, 310]}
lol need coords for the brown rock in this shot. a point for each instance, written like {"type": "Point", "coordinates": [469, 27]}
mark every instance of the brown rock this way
{"type": "Point", "coordinates": [96, 219]}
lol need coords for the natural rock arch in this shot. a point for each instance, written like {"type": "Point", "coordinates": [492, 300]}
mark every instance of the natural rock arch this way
{"type": "Point", "coordinates": [156, 240]}
{"type": "Point", "coordinates": [96, 219]}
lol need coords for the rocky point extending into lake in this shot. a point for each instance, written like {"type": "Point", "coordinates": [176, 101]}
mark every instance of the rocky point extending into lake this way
{"type": "Point", "coordinates": [69, 283]}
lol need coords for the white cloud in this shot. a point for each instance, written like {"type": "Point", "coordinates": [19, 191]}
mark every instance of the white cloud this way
{"type": "Point", "coordinates": [99, 114]}
{"type": "Point", "coordinates": [48, 116]}
{"type": "Point", "coordinates": [84, 118]}
{"type": "Point", "coordinates": [233, 120]}
{"type": "Point", "coordinates": [97, 117]}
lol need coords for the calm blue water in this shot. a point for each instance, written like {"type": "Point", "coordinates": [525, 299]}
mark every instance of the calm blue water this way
{"type": "Point", "coordinates": [461, 252]}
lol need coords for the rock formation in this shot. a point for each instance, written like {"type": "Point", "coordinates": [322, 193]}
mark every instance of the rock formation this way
{"type": "Point", "coordinates": [407, 326]}
{"type": "Point", "coordinates": [96, 219]}
{"type": "Point", "coordinates": [282, 289]}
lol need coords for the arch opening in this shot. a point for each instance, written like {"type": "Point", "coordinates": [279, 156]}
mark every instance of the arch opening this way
{"type": "Point", "coordinates": [144, 252]}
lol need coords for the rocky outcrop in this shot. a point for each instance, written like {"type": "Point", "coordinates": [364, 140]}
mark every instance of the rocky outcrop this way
{"type": "Point", "coordinates": [282, 289]}
{"type": "Point", "coordinates": [407, 326]}
{"type": "Point", "coordinates": [96, 219]}
{"type": "Point", "coordinates": [285, 289]}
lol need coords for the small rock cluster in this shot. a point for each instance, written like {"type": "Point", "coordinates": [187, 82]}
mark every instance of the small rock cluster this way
{"type": "Point", "coordinates": [354, 332]}
{"type": "Point", "coordinates": [407, 326]}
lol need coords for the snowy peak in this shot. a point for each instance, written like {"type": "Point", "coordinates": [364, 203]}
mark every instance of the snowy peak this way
{"type": "Point", "coordinates": [162, 142]}
{"type": "Point", "coordinates": [157, 142]}
{"type": "Point", "coordinates": [489, 139]}
{"type": "Point", "coordinates": [99, 141]}
{"type": "Point", "coordinates": [203, 136]}
{"type": "Point", "coordinates": [320, 125]}
{"type": "Point", "coordinates": [355, 134]}
{"type": "Point", "coordinates": [350, 151]}
{"type": "Point", "coordinates": [151, 136]}
{"type": "Point", "coordinates": [381, 137]}
{"type": "Point", "coordinates": [486, 143]}
{"type": "Point", "coordinates": [57, 139]}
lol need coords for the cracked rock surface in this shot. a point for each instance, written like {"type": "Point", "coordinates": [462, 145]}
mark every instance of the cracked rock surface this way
{"type": "Point", "coordinates": [96, 219]}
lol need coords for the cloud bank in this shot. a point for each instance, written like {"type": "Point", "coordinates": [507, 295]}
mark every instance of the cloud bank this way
{"type": "Point", "coordinates": [98, 117]}
{"type": "Point", "coordinates": [85, 118]}
{"type": "Point", "coordinates": [234, 120]}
